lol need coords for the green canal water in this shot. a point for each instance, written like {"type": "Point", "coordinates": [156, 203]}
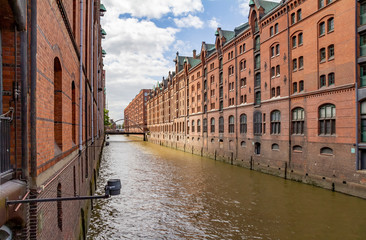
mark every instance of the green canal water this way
{"type": "Point", "coordinates": [169, 194]}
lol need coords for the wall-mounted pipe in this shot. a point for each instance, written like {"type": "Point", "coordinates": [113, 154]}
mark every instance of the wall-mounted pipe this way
{"type": "Point", "coordinates": [1, 74]}
{"type": "Point", "coordinates": [92, 70]}
{"type": "Point", "coordinates": [98, 32]}
{"type": "Point", "coordinates": [24, 101]}
{"type": "Point", "coordinates": [81, 80]}
{"type": "Point", "coordinates": [357, 163]}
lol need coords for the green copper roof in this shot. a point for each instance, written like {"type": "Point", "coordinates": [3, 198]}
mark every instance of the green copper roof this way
{"type": "Point", "coordinates": [104, 52]}
{"type": "Point", "coordinates": [102, 8]}
{"type": "Point", "coordinates": [268, 5]}
{"type": "Point", "coordinates": [216, 33]}
{"type": "Point", "coordinates": [194, 62]}
{"type": "Point", "coordinates": [228, 34]}
{"type": "Point", "coordinates": [103, 32]}
{"type": "Point", "coordinates": [251, 3]}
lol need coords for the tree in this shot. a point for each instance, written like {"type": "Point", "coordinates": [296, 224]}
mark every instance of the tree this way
{"type": "Point", "coordinates": [106, 117]}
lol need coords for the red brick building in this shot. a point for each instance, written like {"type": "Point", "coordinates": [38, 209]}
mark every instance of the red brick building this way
{"type": "Point", "coordinates": [135, 115]}
{"type": "Point", "coordinates": [52, 103]}
{"type": "Point", "coordinates": [283, 94]}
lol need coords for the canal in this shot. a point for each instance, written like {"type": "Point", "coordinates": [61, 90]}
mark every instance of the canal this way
{"type": "Point", "coordinates": [169, 194]}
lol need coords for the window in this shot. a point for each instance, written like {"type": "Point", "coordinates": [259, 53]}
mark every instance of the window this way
{"type": "Point", "coordinates": [322, 55]}
{"type": "Point", "coordinates": [221, 124]}
{"type": "Point", "coordinates": [243, 65]}
{"type": "Point", "coordinates": [221, 78]}
{"type": "Point", "coordinates": [301, 86]}
{"type": "Point", "coordinates": [57, 106]}
{"type": "Point", "coordinates": [299, 17]}
{"type": "Point", "coordinates": [272, 51]}
{"type": "Point", "coordinates": [275, 146]}
{"type": "Point", "coordinates": [276, 122]}
{"type": "Point", "coordinates": [273, 92]}
{"type": "Point", "coordinates": [245, 98]}
{"type": "Point", "coordinates": [257, 120]}
{"type": "Point", "coordinates": [205, 85]}
{"type": "Point", "coordinates": [273, 72]}
{"type": "Point", "coordinates": [205, 125]}
{"type": "Point", "coordinates": [327, 118]}
{"type": "Point", "coordinates": [212, 125]}
{"type": "Point", "coordinates": [294, 64]}
{"type": "Point", "coordinates": [257, 82]}
{"type": "Point", "coordinates": [294, 41]}
{"type": "Point", "coordinates": [322, 81]}
{"type": "Point", "coordinates": [330, 24]}
{"type": "Point", "coordinates": [321, 3]}
{"type": "Point", "coordinates": [220, 63]}
{"type": "Point", "coordinates": [257, 43]}
{"type": "Point", "coordinates": [363, 45]}
{"type": "Point", "coordinates": [73, 111]}
{"type": "Point", "coordinates": [276, 28]}
{"type": "Point", "coordinates": [231, 124]}
{"type": "Point", "coordinates": [330, 79]}
{"type": "Point", "coordinates": [297, 148]}
{"type": "Point", "coordinates": [192, 125]}
{"type": "Point", "coordinates": [257, 148]}
{"type": "Point", "coordinates": [321, 29]}
{"type": "Point", "coordinates": [231, 70]}
{"type": "Point", "coordinates": [257, 63]}
{"type": "Point", "coordinates": [271, 31]}
{"type": "Point", "coordinates": [278, 90]}
{"type": "Point", "coordinates": [300, 41]}
{"type": "Point", "coordinates": [221, 92]}
{"type": "Point", "coordinates": [301, 62]}
{"type": "Point", "coordinates": [363, 121]}
{"type": "Point", "coordinates": [331, 52]}
{"type": "Point", "coordinates": [212, 79]}
{"type": "Point", "coordinates": [257, 98]}
{"type": "Point", "coordinates": [278, 70]}
{"type": "Point", "coordinates": [326, 151]}
{"type": "Point", "coordinates": [363, 13]}
{"type": "Point", "coordinates": [363, 75]}
{"type": "Point", "coordinates": [278, 49]}
{"type": "Point", "coordinates": [244, 47]}
{"type": "Point", "coordinates": [293, 19]}
{"type": "Point", "coordinates": [243, 82]}
{"type": "Point", "coordinates": [294, 87]}
{"type": "Point", "coordinates": [243, 144]}
{"type": "Point", "coordinates": [298, 120]}
{"type": "Point", "coordinates": [243, 123]}
{"type": "Point", "coordinates": [221, 106]}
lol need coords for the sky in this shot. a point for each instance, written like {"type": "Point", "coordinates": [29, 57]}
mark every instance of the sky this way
{"type": "Point", "coordinates": [143, 37]}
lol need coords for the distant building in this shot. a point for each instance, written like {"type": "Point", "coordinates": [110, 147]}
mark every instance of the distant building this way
{"type": "Point", "coordinates": [135, 115]}
{"type": "Point", "coordinates": [284, 94]}
{"type": "Point", "coordinates": [51, 114]}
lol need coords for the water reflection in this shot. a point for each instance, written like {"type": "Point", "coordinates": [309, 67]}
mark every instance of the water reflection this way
{"type": "Point", "coordinates": [168, 194]}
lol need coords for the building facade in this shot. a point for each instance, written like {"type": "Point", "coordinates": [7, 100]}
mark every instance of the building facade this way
{"type": "Point", "coordinates": [135, 114]}
{"type": "Point", "coordinates": [283, 93]}
{"type": "Point", "coordinates": [52, 103]}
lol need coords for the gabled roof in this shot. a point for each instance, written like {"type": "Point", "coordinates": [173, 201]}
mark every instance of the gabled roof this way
{"type": "Point", "coordinates": [227, 34]}
{"type": "Point", "coordinates": [241, 28]}
{"type": "Point", "coordinates": [266, 5]}
{"type": "Point", "coordinates": [193, 61]}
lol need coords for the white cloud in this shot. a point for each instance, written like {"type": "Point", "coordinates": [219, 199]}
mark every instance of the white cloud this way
{"type": "Point", "coordinates": [184, 48]}
{"type": "Point", "coordinates": [213, 23]}
{"type": "Point", "coordinates": [189, 21]}
{"type": "Point", "coordinates": [155, 8]}
{"type": "Point", "coordinates": [244, 6]}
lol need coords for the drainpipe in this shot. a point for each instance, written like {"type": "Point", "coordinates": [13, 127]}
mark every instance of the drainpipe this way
{"type": "Point", "coordinates": [1, 74]}
{"type": "Point", "coordinates": [81, 81]}
{"type": "Point", "coordinates": [289, 91]}
{"type": "Point", "coordinates": [24, 101]}
{"type": "Point", "coordinates": [98, 81]}
{"type": "Point", "coordinates": [33, 108]}
{"type": "Point", "coordinates": [92, 71]}
{"type": "Point", "coordinates": [356, 89]}
{"type": "Point", "coordinates": [236, 102]}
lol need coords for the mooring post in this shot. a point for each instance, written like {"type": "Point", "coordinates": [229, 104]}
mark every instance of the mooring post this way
{"type": "Point", "coordinates": [285, 170]}
{"type": "Point", "coordinates": [251, 162]}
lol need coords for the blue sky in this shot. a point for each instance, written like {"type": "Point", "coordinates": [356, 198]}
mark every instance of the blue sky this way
{"type": "Point", "coordinates": [143, 37]}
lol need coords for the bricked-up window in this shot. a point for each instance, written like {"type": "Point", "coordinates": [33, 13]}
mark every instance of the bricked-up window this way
{"type": "Point", "coordinates": [331, 79]}
{"type": "Point", "coordinates": [257, 44]}
{"type": "Point", "coordinates": [276, 122]}
{"type": "Point", "coordinates": [73, 110]}
{"type": "Point", "coordinates": [221, 125]}
{"type": "Point", "coordinates": [322, 55]}
{"type": "Point", "coordinates": [243, 123]}
{"type": "Point", "coordinates": [212, 125]}
{"type": "Point", "coordinates": [231, 124]}
{"type": "Point", "coordinates": [257, 120]}
{"type": "Point", "coordinates": [294, 87]}
{"type": "Point", "coordinates": [327, 119]}
{"type": "Point", "coordinates": [330, 52]}
{"type": "Point", "coordinates": [323, 81]}
{"type": "Point", "coordinates": [192, 125]}
{"type": "Point", "coordinates": [199, 126]}
{"type": "Point", "coordinates": [300, 39]}
{"type": "Point", "coordinates": [205, 125]}
{"type": "Point", "coordinates": [59, 207]}
{"type": "Point", "coordinates": [363, 45]}
{"type": "Point", "coordinates": [363, 13]}
{"type": "Point", "coordinates": [363, 121]}
{"type": "Point", "coordinates": [330, 24]}
{"type": "Point", "coordinates": [298, 120]}
{"type": "Point", "coordinates": [57, 106]}
{"type": "Point", "coordinates": [257, 61]}
{"type": "Point", "coordinates": [321, 29]}
{"type": "Point", "coordinates": [301, 86]}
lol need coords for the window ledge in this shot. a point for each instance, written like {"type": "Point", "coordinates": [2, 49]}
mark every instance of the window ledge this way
{"type": "Point", "coordinates": [322, 61]}
{"type": "Point", "coordinates": [322, 35]}
{"type": "Point", "coordinates": [331, 59]}
{"type": "Point", "coordinates": [331, 31]}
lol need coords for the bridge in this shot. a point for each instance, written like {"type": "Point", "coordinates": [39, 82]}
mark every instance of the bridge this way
{"type": "Point", "coordinates": [127, 132]}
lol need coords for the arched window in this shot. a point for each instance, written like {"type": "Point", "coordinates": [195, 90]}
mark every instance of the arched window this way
{"type": "Point", "coordinates": [205, 125]}
{"type": "Point", "coordinates": [212, 125]}
{"type": "Point", "coordinates": [331, 79]}
{"type": "Point", "coordinates": [298, 120]}
{"type": "Point", "coordinates": [231, 124]}
{"type": "Point", "coordinates": [330, 52]}
{"type": "Point", "coordinates": [57, 106]}
{"type": "Point", "coordinates": [257, 82]}
{"type": "Point", "coordinates": [326, 151]}
{"type": "Point", "coordinates": [276, 122]}
{"type": "Point", "coordinates": [257, 120]}
{"type": "Point", "coordinates": [257, 61]}
{"type": "Point", "coordinates": [221, 124]}
{"type": "Point", "coordinates": [257, 43]}
{"type": "Point", "coordinates": [330, 24]}
{"type": "Point", "coordinates": [192, 125]}
{"type": "Point", "coordinates": [243, 123]}
{"type": "Point", "coordinates": [243, 144]}
{"type": "Point", "coordinates": [363, 121]}
{"type": "Point", "coordinates": [275, 146]}
{"type": "Point", "coordinates": [297, 148]}
{"type": "Point", "coordinates": [199, 126]}
{"type": "Point", "coordinates": [327, 119]}
{"type": "Point", "coordinates": [257, 148]}
{"type": "Point", "coordinates": [73, 110]}
{"type": "Point", "coordinates": [59, 207]}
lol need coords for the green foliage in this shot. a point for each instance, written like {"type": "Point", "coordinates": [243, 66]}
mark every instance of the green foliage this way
{"type": "Point", "coordinates": [106, 118]}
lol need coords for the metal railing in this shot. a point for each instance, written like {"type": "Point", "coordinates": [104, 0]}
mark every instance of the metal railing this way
{"type": "Point", "coordinates": [5, 144]}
